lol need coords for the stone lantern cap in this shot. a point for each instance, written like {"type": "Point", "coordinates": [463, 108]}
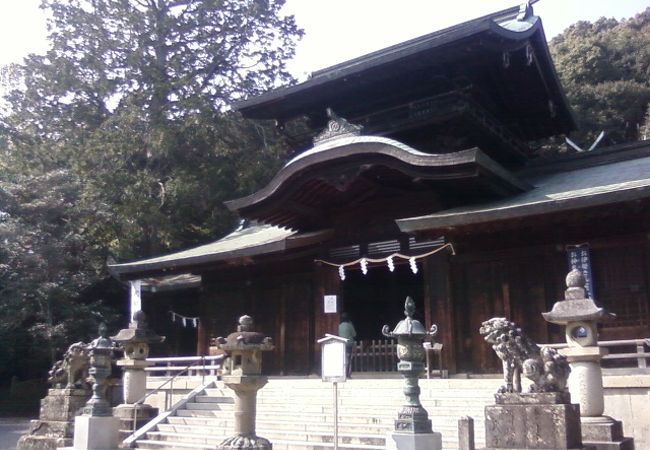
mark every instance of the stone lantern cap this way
{"type": "Point", "coordinates": [409, 327]}
{"type": "Point", "coordinates": [245, 338]}
{"type": "Point", "coordinates": [138, 332]}
{"type": "Point", "coordinates": [102, 343]}
{"type": "Point", "coordinates": [576, 306]}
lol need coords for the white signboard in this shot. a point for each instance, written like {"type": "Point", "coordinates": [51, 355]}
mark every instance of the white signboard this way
{"type": "Point", "coordinates": [329, 304]}
{"type": "Point", "coordinates": [136, 298]}
{"type": "Point", "coordinates": [333, 361]}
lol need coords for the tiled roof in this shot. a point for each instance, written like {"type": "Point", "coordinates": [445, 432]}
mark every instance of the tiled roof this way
{"type": "Point", "coordinates": [591, 186]}
{"type": "Point", "coordinates": [253, 240]}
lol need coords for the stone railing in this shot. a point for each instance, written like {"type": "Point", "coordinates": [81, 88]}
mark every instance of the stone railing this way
{"type": "Point", "coordinates": [192, 365]}
{"type": "Point", "coordinates": [622, 353]}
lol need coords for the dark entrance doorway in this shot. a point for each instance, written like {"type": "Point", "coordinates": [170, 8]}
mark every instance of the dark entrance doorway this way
{"type": "Point", "coordinates": [377, 298]}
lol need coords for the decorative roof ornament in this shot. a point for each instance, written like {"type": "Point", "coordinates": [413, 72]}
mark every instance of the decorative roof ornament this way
{"type": "Point", "coordinates": [336, 127]}
{"type": "Point", "coordinates": [525, 19]}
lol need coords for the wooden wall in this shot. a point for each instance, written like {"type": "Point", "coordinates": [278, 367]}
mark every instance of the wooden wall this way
{"type": "Point", "coordinates": [521, 283]}
{"type": "Point", "coordinates": [460, 292]}
{"type": "Point", "coordinates": [281, 308]}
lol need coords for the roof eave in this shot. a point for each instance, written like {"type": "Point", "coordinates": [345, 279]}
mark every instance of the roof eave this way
{"type": "Point", "coordinates": [260, 107]}
{"type": "Point", "coordinates": [441, 221]}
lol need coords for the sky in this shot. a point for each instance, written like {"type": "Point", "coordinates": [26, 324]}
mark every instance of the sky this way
{"type": "Point", "coordinates": [338, 30]}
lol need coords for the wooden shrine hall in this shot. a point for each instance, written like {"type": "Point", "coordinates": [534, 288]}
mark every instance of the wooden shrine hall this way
{"type": "Point", "coordinates": [410, 172]}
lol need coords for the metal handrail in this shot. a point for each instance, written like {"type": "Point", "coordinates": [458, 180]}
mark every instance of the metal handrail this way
{"type": "Point", "coordinates": [167, 398]}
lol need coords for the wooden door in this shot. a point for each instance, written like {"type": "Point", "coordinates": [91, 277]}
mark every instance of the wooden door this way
{"type": "Point", "coordinates": [621, 286]}
{"type": "Point", "coordinates": [298, 328]}
{"type": "Point", "coordinates": [512, 287]}
{"type": "Point", "coordinates": [479, 290]}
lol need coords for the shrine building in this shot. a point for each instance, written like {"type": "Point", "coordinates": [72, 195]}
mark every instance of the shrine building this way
{"type": "Point", "coordinates": [411, 172]}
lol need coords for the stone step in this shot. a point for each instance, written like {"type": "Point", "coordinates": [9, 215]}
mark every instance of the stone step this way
{"type": "Point", "coordinates": [211, 398]}
{"type": "Point", "coordinates": [296, 414]}
{"type": "Point", "coordinates": [307, 424]}
{"type": "Point", "coordinates": [360, 403]}
{"type": "Point", "coordinates": [277, 445]}
{"type": "Point", "coordinates": [359, 410]}
{"type": "Point", "coordinates": [352, 417]}
{"type": "Point", "coordinates": [447, 427]}
{"type": "Point", "coordinates": [371, 398]}
{"type": "Point", "coordinates": [159, 445]}
{"type": "Point", "coordinates": [160, 441]}
{"type": "Point", "coordinates": [276, 426]}
{"type": "Point", "coordinates": [214, 437]}
{"type": "Point", "coordinates": [205, 406]}
{"type": "Point", "coordinates": [352, 388]}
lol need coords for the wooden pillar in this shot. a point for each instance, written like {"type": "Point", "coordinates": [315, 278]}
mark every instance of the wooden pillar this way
{"type": "Point", "coordinates": [202, 344]}
{"type": "Point", "coordinates": [326, 282]}
{"type": "Point", "coordinates": [283, 329]}
{"type": "Point", "coordinates": [438, 305]}
{"type": "Point", "coordinates": [203, 331]}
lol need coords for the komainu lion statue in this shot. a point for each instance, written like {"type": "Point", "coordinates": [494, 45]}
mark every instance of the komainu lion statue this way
{"type": "Point", "coordinates": [71, 371]}
{"type": "Point", "coordinates": [545, 367]}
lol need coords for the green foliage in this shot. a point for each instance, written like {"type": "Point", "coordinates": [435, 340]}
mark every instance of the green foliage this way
{"type": "Point", "coordinates": [119, 142]}
{"type": "Point", "coordinates": [46, 263]}
{"type": "Point", "coordinates": [605, 70]}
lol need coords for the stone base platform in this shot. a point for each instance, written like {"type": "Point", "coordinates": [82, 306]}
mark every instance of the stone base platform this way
{"type": "Point", "coordinates": [245, 443]}
{"type": "Point", "coordinates": [96, 433]}
{"type": "Point", "coordinates": [539, 421]}
{"type": "Point", "coordinates": [413, 441]}
{"type": "Point", "coordinates": [55, 426]}
{"type": "Point", "coordinates": [128, 414]}
{"type": "Point", "coordinates": [605, 433]}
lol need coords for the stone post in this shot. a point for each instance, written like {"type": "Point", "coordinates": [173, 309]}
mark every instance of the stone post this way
{"type": "Point", "coordinates": [242, 372]}
{"type": "Point", "coordinates": [580, 315]}
{"type": "Point", "coordinates": [135, 341]}
{"type": "Point", "coordinates": [412, 428]}
{"type": "Point", "coordinates": [466, 433]}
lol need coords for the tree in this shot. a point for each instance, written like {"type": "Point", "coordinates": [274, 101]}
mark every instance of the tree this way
{"type": "Point", "coordinates": [133, 97]}
{"type": "Point", "coordinates": [605, 70]}
{"type": "Point", "coordinates": [122, 135]}
{"type": "Point", "coordinates": [46, 264]}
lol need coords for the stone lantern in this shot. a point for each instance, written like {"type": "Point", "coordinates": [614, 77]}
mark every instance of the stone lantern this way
{"type": "Point", "coordinates": [96, 428]}
{"type": "Point", "coordinates": [580, 315]}
{"type": "Point", "coordinates": [101, 358]}
{"type": "Point", "coordinates": [242, 372]}
{"type": "Point", "coordinates": [413, 427]}
{"type": "Point", "coordinates": [135, 341]}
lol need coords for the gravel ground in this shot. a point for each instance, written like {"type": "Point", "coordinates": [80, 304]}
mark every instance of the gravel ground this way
{"type": "Point", "coordinates": [10, 430]}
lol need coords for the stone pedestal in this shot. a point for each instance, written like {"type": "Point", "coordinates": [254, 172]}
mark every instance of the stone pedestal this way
{"type": "Point", "coordinates": [134, 379]}
{"type": "Point", "coordinates": [96, 433]}
{"type": "Point", "coordinates": [133, 417]}
{"type": "Point", "coordinates": [55, 425]}
{"type": "Point", "coordinates": [410, 441]}
{"type": "Point", "coordinates": [605, 433]}
{"type": "Point", "coordinates": [133, 388]}
{"type": "Point", "coordinates": [242, 372]}
{"type": "Point", "coordinates": [245, 410]}
{"type": "Point", "coordinates": [540, 421]}
{"type": "Point", "coordinates": [586, 379]}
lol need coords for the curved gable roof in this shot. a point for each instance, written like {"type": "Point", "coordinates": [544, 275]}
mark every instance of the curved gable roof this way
{"type": "Point", "coordinates": [322, 179]}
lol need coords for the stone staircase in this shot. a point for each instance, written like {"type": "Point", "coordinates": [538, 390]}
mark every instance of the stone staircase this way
{"type": "Point", "coordinates": [297, 413]}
